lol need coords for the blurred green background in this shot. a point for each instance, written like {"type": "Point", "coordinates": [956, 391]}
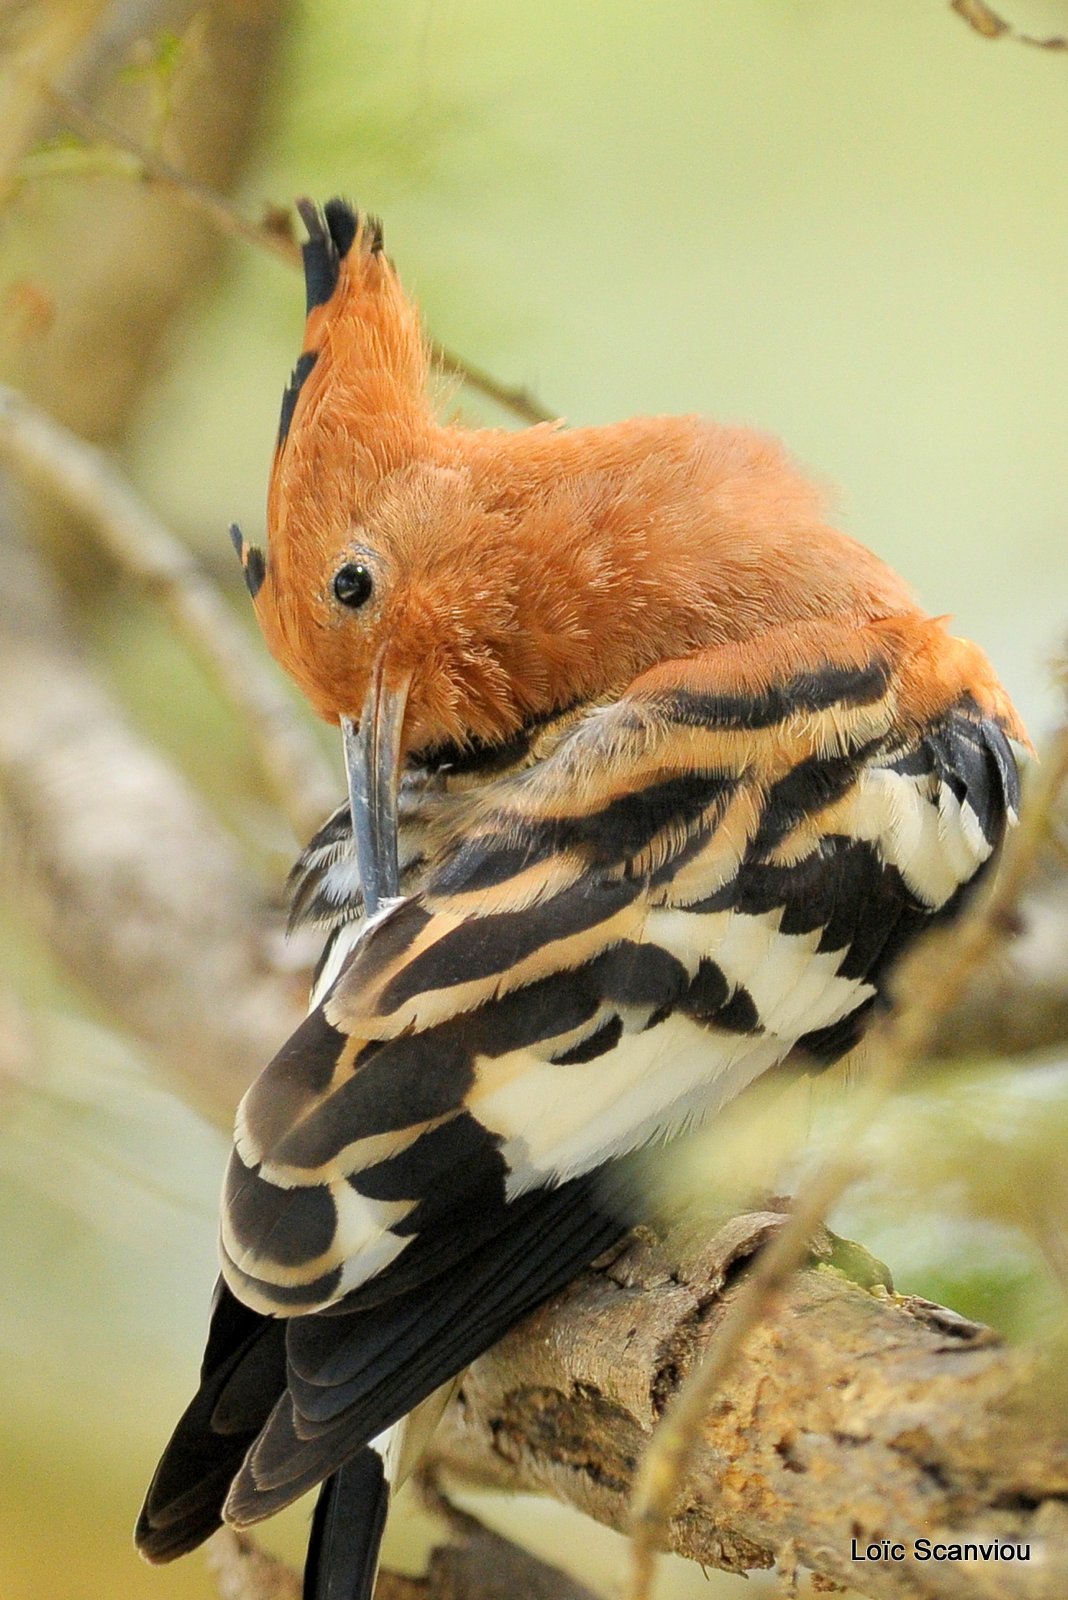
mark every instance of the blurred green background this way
{"type": "Point", "coordinates": [842, 222]}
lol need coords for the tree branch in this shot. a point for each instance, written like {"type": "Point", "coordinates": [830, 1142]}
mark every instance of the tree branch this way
{"type": "Point", "coordinates": [87, 482]}
{"type": "Point", "coordinates": [144, 898]}
{"type": "Point", "coordinates": [852, 1413]}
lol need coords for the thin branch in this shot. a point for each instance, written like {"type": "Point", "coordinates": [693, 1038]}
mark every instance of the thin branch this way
{"type": "Point", "coordinates": [151, 168]}
{"type": "Point", "coordinates": [87, 481]}
{"type": "Point", "coordinates": [269, 236]}
{"type": "Point", "coordinates": [516, 399]}
{"type": "Point", "coordinates": [986, 22]}
{"type": "Point", "coordinates": [1017, 1002]}
{"type": "Point", "coordinates": [930, 982]}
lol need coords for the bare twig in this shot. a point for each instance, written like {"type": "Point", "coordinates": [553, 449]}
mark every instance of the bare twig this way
{"type": "Point", "coordinates": [137, 255]}
{"type": "Point", "coordinates": [985, 21]}
{"type": "Point", "coordinates": [88, 482]}
{"type": "Point", "coordinates": [931, 981]}
{"type": "Point", "coordinates": [517, 400]}
{"type": "Point", "coordinates": [151, 168]}
{"type": "Point", "coordinates": [478, 1564]}
{"type": "Point", "coordinates": [1017, 1002]}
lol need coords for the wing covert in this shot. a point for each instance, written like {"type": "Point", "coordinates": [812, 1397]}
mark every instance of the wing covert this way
{"type": "Point", "coordinates": [700, 877]}
{"type": "Point", "coordinates": [710, 874]}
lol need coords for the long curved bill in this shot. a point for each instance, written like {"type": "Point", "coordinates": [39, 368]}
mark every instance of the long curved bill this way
{"type": "Point", "coordinates": [372, 760]}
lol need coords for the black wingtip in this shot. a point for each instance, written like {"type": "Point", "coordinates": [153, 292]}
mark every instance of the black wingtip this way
{"type": "Point", "coordinates": [160, 1546]}
{"type": "Point", "coordinates": [331, 233]}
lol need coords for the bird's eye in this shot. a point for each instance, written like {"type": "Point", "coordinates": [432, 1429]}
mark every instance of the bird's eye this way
{"type": "Point", "coordinates": [353, 584]}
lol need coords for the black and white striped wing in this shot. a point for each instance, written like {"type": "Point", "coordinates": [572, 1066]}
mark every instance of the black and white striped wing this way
{"type": "Point", "coordinates": [699, 881]}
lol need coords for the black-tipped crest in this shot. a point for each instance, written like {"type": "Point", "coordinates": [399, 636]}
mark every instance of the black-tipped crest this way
{"type": "Point", "coordinates": [251, 558]}
{"type": "Point", "coordinates": [331, 232]}
{"type": "Point", "coordinates": [342, 221]}
{"type": "Point", "coordinates": [292, 390]}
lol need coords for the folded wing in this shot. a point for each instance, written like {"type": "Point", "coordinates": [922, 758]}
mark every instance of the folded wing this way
{"type": "Point", "coordinates": [709, 874]}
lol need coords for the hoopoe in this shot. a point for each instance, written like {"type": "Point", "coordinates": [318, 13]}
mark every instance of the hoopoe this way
{"type": "Point", "coordinates": [652, 774]}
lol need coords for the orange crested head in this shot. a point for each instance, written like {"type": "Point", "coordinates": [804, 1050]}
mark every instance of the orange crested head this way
{"type": "Point", "coordinates": [499, 575]}
{"type": "Point", "coordinates": [433, 585]}
{"type": "Point", "coordinates": [383, 558]}
{"type": "Point", "coordinates": [388, 586]}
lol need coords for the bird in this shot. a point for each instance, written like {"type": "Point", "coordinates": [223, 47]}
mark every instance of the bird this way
{"type": "Point", "coordinates": [652, 776]}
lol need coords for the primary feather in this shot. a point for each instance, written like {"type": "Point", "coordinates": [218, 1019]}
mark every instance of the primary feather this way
{"type": "Point", "coordinates": [685, 770]}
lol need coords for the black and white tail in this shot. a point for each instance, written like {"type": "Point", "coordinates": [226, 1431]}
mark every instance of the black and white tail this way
{"type": "Point", "coordinates": [350, 1514]}
{"type": "Point", "coordinates": [350, 1518]}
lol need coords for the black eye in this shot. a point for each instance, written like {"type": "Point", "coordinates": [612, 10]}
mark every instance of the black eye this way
{"type": "Point", "coordinates": [353, 584]}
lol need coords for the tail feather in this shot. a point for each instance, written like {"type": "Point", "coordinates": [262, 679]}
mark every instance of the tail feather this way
{"type": "Point", "coordinates": [346, 1531]}
{"type": "Point", "coordinates": [349, 1520]}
